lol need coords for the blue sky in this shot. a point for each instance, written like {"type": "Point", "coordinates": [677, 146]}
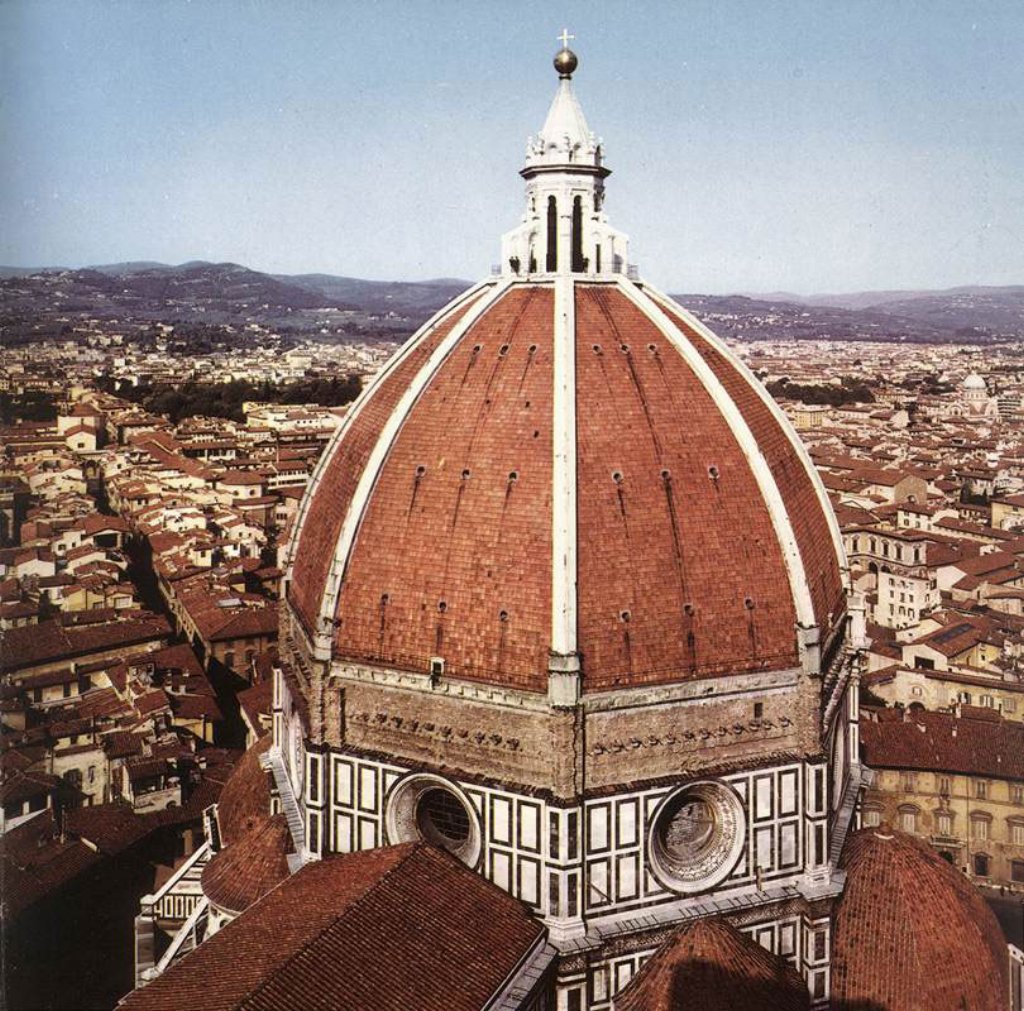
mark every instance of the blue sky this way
{"type": "Point", "coordinates": [755, 146]}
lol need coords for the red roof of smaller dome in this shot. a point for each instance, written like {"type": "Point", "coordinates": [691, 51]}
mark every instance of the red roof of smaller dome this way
{"type": "Point", "coordinates": [911, 933]}
{"type": "Point", "coordinates": [245, 800]}
{"type": "Point", "coordinates": [246, 870]}
{"type": "Point", "coordinates": [711, 966]}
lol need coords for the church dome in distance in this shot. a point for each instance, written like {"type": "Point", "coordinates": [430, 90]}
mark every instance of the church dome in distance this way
{"type": "Point", "coordinates": [974, 382]}
{"type": "Point", "coordinates": [564, 469]}
{"type": "Point", "coordinates": [911, 933]}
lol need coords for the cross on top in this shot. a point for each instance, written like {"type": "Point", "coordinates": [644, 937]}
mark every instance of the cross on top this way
{"type": "Point", "coordinates": [565, 37]}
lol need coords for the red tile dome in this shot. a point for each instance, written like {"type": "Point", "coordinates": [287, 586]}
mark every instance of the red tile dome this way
{"type": "Point", "coordinates": [911, 932]}
{"type": "Point", "coordinates": [568, 465]}
{"type": "Point", "coordinates": [248, 868]}
{"type": "Point", "coordinates": [244, 801]}
{"type": "Point", "coordinates": [709, 965]}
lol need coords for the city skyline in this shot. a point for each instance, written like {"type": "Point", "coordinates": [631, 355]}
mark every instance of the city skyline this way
{"type": "Point", "coordinates": [824, 148]}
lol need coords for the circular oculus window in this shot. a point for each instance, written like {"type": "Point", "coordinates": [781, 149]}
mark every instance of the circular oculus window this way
{"type": "Point", "coordinates": [426, 808]}
{"type": "Point", "coordinates": [696, 836]}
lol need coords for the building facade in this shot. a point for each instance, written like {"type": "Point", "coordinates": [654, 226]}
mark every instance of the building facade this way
{"type": "Point", "coordinates": [956, 780]}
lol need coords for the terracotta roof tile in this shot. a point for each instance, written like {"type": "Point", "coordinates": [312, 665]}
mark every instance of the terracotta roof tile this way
{"type": "Point", "coordinates": [911, 933]}
{"type": "Point", "coordinates": [944, 743]}
{"type": "Point", "coordinates": [405, 928]}
{"type": "Point", "coordinates": [710, 966]}
{"type": "Point", "coordinates": [50, 640]}
{"type": "Point", "coordinates": [244, 871]}
{"type": "Point", "coordinates": [463, 495]}
{"type": "Point", "coordinates": [245, 800]}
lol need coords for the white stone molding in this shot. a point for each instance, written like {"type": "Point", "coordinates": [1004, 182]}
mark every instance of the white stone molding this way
{"type": "Point", "coordinates": [324, 632]}
{"type": "Point", "coordinates": [360, 402]}
{"type": "Point", "coordinates": [761, 683]}
{"type": "Point", "coordinates": [564, 666]}
{"type": "Point", "coordinates": [777, 413]}
{"type": "Point", "coordinates": [799, 589]}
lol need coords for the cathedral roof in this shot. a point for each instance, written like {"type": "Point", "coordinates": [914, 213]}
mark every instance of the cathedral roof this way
{"type": "Point", "coordinates": [710, 966]}
{"type": "Point", "coordinates": [249, 867]}
{"type": "Point", "coordinates": [405, 928]}
{"type": "Point", "coordinates": [564, 470]}
{"type": "Point", "coordinates": [700, 534]}
{"type": "Point", "coordinates": [911, 932]}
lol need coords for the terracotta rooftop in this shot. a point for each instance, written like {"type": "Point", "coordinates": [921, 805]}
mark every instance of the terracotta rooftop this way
{"type": "Point", "coordinates": [405, 928]}
{"type": "Point", "coordinates": [49, 641]}
{"type": "Point", "coordinates": [245, 800]}
{"type": "Point", "coordinates": [974, 744]}
{"type": "Point", "coordinates": [710, 966]}
{"type": "Point", "coordinates": [36, 862]}
{"type": "Point", "coordinates": [911, 933]}
{"type": "Point", "coordinates": [244, 871]}
{"type": "Point", "coordinates": [255, 702]}
{"type": "Point", "coordinates": [701, 581]}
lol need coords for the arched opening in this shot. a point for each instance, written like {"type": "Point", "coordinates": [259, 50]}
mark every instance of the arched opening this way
{"type": "Point", "coordinates": [552, 261]}
{"type": "Point", "coordinates": [578, 265]}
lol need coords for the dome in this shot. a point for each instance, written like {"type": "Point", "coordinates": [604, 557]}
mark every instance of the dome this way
{"type": "Point", "coordinates": [244, 801]}
{"type": "Point", "coordinates": [709, 965]}
{"type": "Point", "coordinates": [702, 537]}
{"type": "Point", "coordinates": [974, 382]}
{"type": "Point", "coordinates": [911, 932]}
{"type": "Point", "coordinates": [247, 869]}
{"type": "Point", "coordinates": [565, 471]}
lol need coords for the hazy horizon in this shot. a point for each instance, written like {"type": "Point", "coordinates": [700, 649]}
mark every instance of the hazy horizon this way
{"type": "Point", "coordinates": [825, 148]}
{"type": "Point", "coordinates": [776, 294]}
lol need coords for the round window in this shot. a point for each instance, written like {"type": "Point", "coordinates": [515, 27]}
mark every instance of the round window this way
{"type": "Point", "coordinates": [696, 836]}
{"type": "Point", "coordinates": [442, 820]}
{"type": "Point", "coordinates": [430, 809]}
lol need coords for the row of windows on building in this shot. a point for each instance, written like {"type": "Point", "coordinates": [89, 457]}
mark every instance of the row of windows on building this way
{"type": "Point", "coordinates": [980, 823]}
{"type": "Point", "coordinates": [979, 788]}
{"type": "Point", "coordinates": [986, 701]}
{"type": "Point", "coordinates": [898, 552]}
{"type": "Point", "coordinates": [907, 587]}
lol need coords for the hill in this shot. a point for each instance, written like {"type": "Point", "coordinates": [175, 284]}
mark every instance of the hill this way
{"type": "Point", "coordinates": [228, 293]}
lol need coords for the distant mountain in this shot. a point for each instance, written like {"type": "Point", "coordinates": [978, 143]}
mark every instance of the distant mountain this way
{"type": "Point", "coordinates": [27, 271]}
{"type": "Point", "coordinates": [215, 291]}
{"type": "Point", "coordinates": [133, 266]}
{"type": "Point", "coordinates": [406, 298]}
{"type": "Point", "coordinates": [966, 313]}
{"type": "Point", "coordinates": [995, 309]}
{"type": "Point", "coordinates": [769, 318]}
{"type": "Point", "coordinates": [204, 292]}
